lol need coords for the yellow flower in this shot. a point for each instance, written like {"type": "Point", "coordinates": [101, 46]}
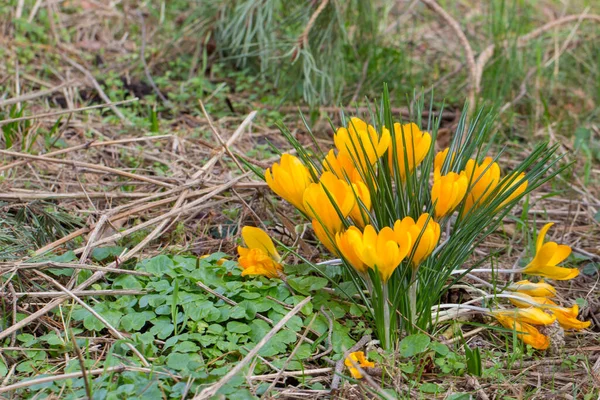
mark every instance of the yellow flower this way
{"type": "Point", "coordinates": [318, 205]}
{"type": "Point", "coordinates": [289, 179]}
{"type": "Point", "coordinates": [261, 257]}
{"type": "Point", "coordinates": [347, 243]}
{"type": "Point", "coordinates": [483, 179]}
{"type": "Point", "coordinates": [357, 358]}
{"type": "Point", "coordinates": [323, 237]}
{"type": "Point", "coordinates": [448, 191]}
{"type": "Point", "coordinates": [540, 289]}
{"type": "Point", "coordinates": [548, 256]}
{"type": "Point", "coordinates": [567, 317]}
{"type": "Point", "coordinates": [411, 150]}
{"type": "Point", "coordinates": [358, 213]}
{"type": "Point", "coordinates": [382, 251]}
{"type": "Point", "coordinates": [440, 157]}
{"type": "Point", "coordinates": [526, 332]}
{"type": "Point", "coordinates": [529, 315]}
{"type": "Point", "coordinates": [342, 166]}
{"type": "Point", "coordinates": [220, 261]}
{"type": "Point", "coordinates": [424, 237]}
{"type": "Point", "coordinates": [515, 191]}
{"type": "Point", "coordinates": [360, 142]}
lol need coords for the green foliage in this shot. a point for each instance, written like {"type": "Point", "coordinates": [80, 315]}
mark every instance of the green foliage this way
{"type": "Point", "coordinates": [413, 292]}
{"type": "Point", "coordinates": [33, 225]}
{"type": "Point", "coordinates": [473, 361]}
{"type": "Point", "coordinates": [186, 331]}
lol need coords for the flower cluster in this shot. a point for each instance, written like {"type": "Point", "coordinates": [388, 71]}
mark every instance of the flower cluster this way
{"type": "Point", "coordinates": [533, 299]}
{"type": "Point", "coordinates": [403, 220]}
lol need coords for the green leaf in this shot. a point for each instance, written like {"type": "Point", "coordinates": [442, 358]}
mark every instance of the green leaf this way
{"type": "Point", "coordinates": [108, 253]}
{"type": "Point", "coordinates": [186, 347]}
{"type": "Point", "coordinates": [238, 327]}
{"type": "Point", "coordinates": [439, 348]}
{"type": "Point", "coordinates": [158, 266]}
{"type": "Point", "coordinates": [3, 369]}
{"type": "Point", "coordinates": [459, 396]}
{"type": "Point", "coordinates": [127, 282]}
{"type": "Point", "coordinates": [135, 321]}
{"type": "Point", "coordinates": [414, 344]}
{"type": "Point", "coordinates": [162, 328]}
{"type": "Point", "coordinates": [258, 330]}
{"type": "Point", "coordinates": [473, 361]}
{"type": "Point", "coordinates": [430, 388]}
{"type": "Point", "coordinates": [178, 361]}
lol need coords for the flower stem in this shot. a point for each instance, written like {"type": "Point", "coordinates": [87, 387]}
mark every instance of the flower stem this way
{"type": "Point", "coordinates": [386, 317]}
{"type": "Point", "coordinates": [412, 298]}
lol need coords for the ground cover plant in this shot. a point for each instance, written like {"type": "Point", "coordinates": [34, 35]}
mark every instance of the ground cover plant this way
{"type": "Point", "coordinates": [315, 199]}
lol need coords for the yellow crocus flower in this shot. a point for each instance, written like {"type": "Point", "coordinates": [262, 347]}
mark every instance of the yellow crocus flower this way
{"type": "Point", "coordinates": [323, 237]}
{"type": "Point", "coordinates": [358, 214]}
{"type": "Point", "coordinates": [515, 191]}
{"type": "Point", "coordinates": [347, 243]}
{"type": "Point", "coordinates": [540, 289]}
{"type": "Point", "coordinates": [428, 238]}
{"type": "Point", "coordinates": [548, 256]}
{"type": "Point", "coordinates": [483, 179]}
{"type": "Point", "coordinates": [342, 166]}
{"type": "Point", "coordinates": [361, 142]}
{"type": "Point", "coordinates": [317, 201]}
{"type": "Point", "coordinates": [440, 157]}
{"type": "Point", "coordinates": [529, 315]}
{"type": "Point", "coordinates": [381, 251]}
{"type": "Point", "coordinates": [411, 150]}
{"type": "Point", "coordinates": [526, 332]}
{"type": "Point", "coordinates": [567, 317]}
{"type": "Point", "coordinates": [289, 179]}
{"type": "Point", "coordinates": [357, 358]}
{"type": "Point", "coordinates": [448, 191]}
{"type": "Point", "coordinates": [261, 257]}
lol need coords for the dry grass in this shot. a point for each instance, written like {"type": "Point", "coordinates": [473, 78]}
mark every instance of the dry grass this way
{"type": "Point", "coordinates": [167, 193]}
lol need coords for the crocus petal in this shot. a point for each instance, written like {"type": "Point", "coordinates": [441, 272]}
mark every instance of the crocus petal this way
{"type": "Point", "coordinates": [540, 289]}
{"type": "Point", "coordinates": [256, 238]}
{"type": "Point", "coordinates": [527, 333]}
{"type": "Point", "coordinates": [561, 253]}
{"type": "Point", "coordinates": [542, 235]}
{"type": "Point", "coordinates": [553, 272]}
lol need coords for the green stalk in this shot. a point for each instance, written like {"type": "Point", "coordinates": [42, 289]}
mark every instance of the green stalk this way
{"type": "Point", "coordinates": [386, 317]}
{"type": "Point", "coordinates": [412, 297]}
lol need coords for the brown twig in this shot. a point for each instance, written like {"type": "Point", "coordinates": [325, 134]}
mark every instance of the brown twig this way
{"type": "Point", "coordinates": [82, 164]}
{"type": "Point", "coordinates": [99, 89]}
{"type": "Point", "coordinates": [303, 38]}
{"type": "Point", "coordinates": [486, 54]}
{"type": "Point", "coordinates": [471, 65]}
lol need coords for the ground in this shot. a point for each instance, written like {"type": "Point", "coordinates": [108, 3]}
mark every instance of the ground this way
{"type": "Point", "coordinates": [130, 136]}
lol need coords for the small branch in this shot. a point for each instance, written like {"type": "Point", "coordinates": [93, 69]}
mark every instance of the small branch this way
{"type": "Point", "coordinates": [486, 54]}
{"type": "Point", "coordinates": [98, 88]}
{"type": "Point", "coordinates": [113, 292]}
{"type": "Point", "coordinates": [165, 101]}
{"type": "Point", "coordinates": [471, 65]}
{"type": "Point", "coordinates": [303, 38]}
{"type": "Point", "coordinates": [81, 164]}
